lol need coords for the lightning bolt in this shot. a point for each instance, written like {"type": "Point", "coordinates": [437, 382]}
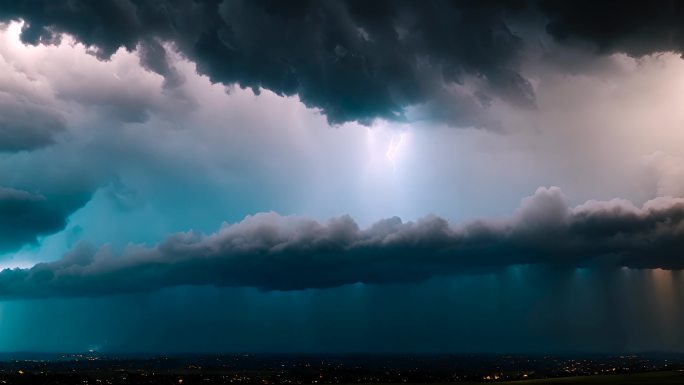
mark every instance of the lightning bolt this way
{"type": "Point", "coordinates": [393, 148]}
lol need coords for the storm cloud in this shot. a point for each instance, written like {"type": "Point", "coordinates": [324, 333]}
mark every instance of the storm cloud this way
{"type": "Point", "coordinates": [25, 216]}
{"type": "Point", "coordinates": [636, 28]}
{"type": "Point", "coordinates": [28, 119]}
{"type": "Point", "coordinates": [160, 157]}
{"type": "Point", "coordinates": [25, 127]}
{"type": "Point", "coordinates": [271, 252]}
{"type": "Point", "coordinates": [357, 60]}
{"type": "Point", "coordinates": [354, 60]}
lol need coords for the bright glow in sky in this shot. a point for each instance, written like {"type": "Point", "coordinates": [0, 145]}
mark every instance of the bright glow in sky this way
{"type": "Point", "coordinates": [397, 144]}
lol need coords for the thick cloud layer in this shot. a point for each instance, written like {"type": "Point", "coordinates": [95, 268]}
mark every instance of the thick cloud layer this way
{"type": "Point", "coordinates": [633, 27]}
{"type": "Point", "coordinates": [26, 126]}
{"type": "Point", "coordinates": [358, 60]}
{"type": "Point", "coordinates": [355, 60]}
{"type": "Point", "coordinates": [24, 216]}
{"type": "Point", "coordinates": [271, 252]}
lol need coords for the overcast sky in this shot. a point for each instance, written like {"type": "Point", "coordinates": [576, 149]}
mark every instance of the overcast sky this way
{"type": "Point", "coordinates": [341, 176]}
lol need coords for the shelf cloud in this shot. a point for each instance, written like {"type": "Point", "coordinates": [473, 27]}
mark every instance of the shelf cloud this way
{"type": "Point", "coordinates": [272, 252]}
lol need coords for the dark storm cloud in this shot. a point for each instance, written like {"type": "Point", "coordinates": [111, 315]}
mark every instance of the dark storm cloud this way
{"type": "Point", "coordinates": [154, 57]}
{"type": "Point", "coordinates": [355, 60]}
{"type": "Point", "coordinates": [633, 27]}
{"type": "Point", "coordinates": [271, 252]}
{"type": "Point", "coordinates": [26, 126]}
{"type": "Point", "coordinates": [25, 216]}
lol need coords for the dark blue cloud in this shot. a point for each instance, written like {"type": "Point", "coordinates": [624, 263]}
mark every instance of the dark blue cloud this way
{"type": "Point", "coordinates": [25, 216]}
{"type": "Point", "coordinates": [271, 252]}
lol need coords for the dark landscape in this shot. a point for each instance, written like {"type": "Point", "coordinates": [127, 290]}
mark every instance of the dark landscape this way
{"type": "Point", "coordinates": [92, 368]}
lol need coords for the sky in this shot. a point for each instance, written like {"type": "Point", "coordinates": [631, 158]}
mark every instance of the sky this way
{"type": "Point", "coordinates": [341, 176]}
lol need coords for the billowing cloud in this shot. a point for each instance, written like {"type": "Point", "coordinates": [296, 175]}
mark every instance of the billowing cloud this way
{"type": "Point", "coordinates": [25, 216]}
{"type": "Point", "coordinates": [354, 60]}
{"type": "Point", "coordinates": [272, 252]}
{"type": "Point", "coordinates": [26, 126]}
{"type": "Point", "coordinates": [29, 118]}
